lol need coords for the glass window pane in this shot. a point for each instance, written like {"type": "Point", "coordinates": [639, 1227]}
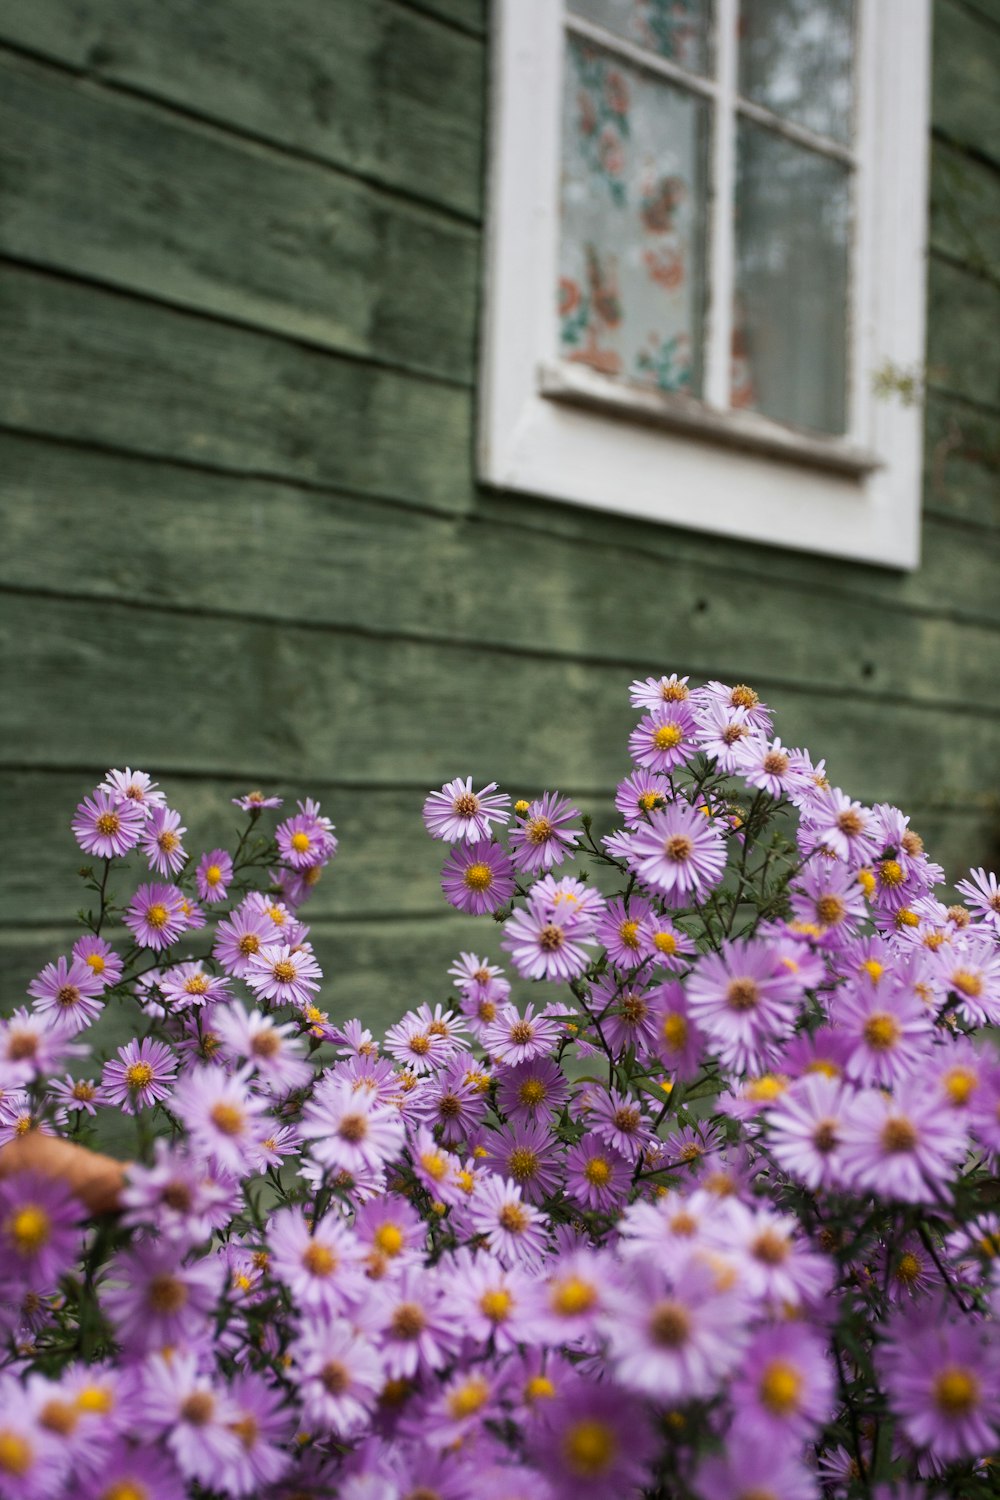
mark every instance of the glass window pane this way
{"type": "Point", "coordinates": [790, 312]}
{"type": "Point", "coordinates": [796, 58]}
{"type": "Point", "coordinates": [632, 258]}
{"type": "Point", "coordinates": [677, 29]}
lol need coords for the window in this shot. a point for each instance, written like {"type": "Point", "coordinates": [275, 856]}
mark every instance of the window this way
{"type": "Point", "coordinates": [706, 235]}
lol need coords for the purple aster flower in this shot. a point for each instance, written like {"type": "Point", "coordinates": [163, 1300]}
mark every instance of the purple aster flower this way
{"type": "Point", "coordinates": [491, 1300]}
{"type": "Point", "coordinates": [666, 1232]}
{"type": "Point", "coordinates": [135, 787]}
{"type": "Point", "coordinates": [680, 1043]}
{"type": "Point", "coordinates": [255, 802]}
{"type": "Point", "coordinates": [755, 1465]}
{"type": "Point", "coordinates": [669, 946]}
{"type": "Point", "coordinates": [592, 1442]}
{"type": "Point", "coordinates": [388, 1227]}
{"type": "Point", "coordinates": [351, 1129]}
{"type": "Point", "coordinates": [414, 1045]}
{"type": "Point", "coordinates": [194, 1416]}
{"type": "Point", "coordinates": [541, 837]}
{"type": "Point", "coordinates": [178, 1194]}
{"type": "Point", "coordinates": [679, 852]}
{"type": "Point", "coordinates": [478, 878]}
{"type": "Point", "coordinates": [321, 1264]}
{"type": "Point", "coordinates": [514, 1231]}
{"type": "Point", "coordinates": [618, 1119]}
{"type": "Point", "coordinates": [75, 1093]}
{"type": "Point", "coordinates": [30, 1045]}
{"type": "Point", "coordinates": [513, 1038]}
{"type": "Point", "coordinates": [339, 1374]}
{"type": "Point", "coordinates": [456, 1099]}
{"type": "Point", "coordinates": [240, 937]}
{"type": "Point", "coordinates": [274, 1051]}
{"type": "Point", "coordinates": [222, 1116]}
{"type": "Point", "coordinates": [982, 891]}
{"type": "Point", "coordinates": [214, 875]}
{"type": "Point", "coordinates": [153, 1300]}
{"type": "Point", "coordinates": [743, 999]}
{"type": "Point", "coordinates": [568, 895]}
{"type": "Point", "coordinates": [155, 916]}
{"type": "Point", "coordinates": [32, 1460]}
{"type": "Point", "coordinates": [527, 1152]}
{"type": "Point", "coordinates": [106, 826]}
{"type": "Point", "coordinates": [131, 1469]}
{"type": "Point", "coordinates": [457, 814]}
{"type": "Point", "coordinates": [942, 1378]}
{"type": "Point", "coordinates": [890, 1032]}
{"type": "Point", "coordinates": [437, 1170]}
{"type": "Point", "coordinates": [190, 985]}
{"type": "Point", "coordinates": [664, 739]}
{"type": "Point", "coordinates": [285, 975]}
{"type": "Point", "coordinates": [264, 1431]}
{"type": "Point", "coordinates": [640, 793]}
{"type": "Point", "coordinates": [100, 958]}
{"type": "Point", "coordinates": [575, 1297]}
{"type": "Point", "coordinates": [140, 1076]}
{"type": "Point", "coordinates": [456, 1413]}
{"type": "Point", "coordinates": [624, 932]}
{"type": "Point", "coordinates": [804, 1131]}
{"type": "Point", "coordinates": [740, 696]}
{"type": "Point", "coordinates": [776, 1263]}
{"type": "Point", "coordinates": [829, 895]}
{"type": "Point", "coordinates": [39, 1234]}
{"type": "Point", "coordinates": [722, 733]}
{"type": "Point", "coordinates": [902, 1148]}
{"type": "Point", "coordinates": [771, 767]}
{"type": "Point", "coordinates": [68, 992]}
{"type": "Point", "coordinates": [545, 944]}
{"type": "Point", "coordinates": [653, 692]}
{"type": "Point", "coordinates": [532, 1090]}
{"type": "Point", "coordinates": [417, 1329]}
{"type": "Point", "coordinates": [832, 821]}
{"type": "Point", "coordinates": [627, 1015]}
{"type": "Point", "coordinates": [597, 1176]}
{"type": "Point", "coordinates": [161, 841]}
{"type": "Point", "coordinates": [785, 1387]}
{"type": "Point", "coordinates": [971, 972]}
{"type": "Point", "coordinates": [304, 841]}
{"type": "Point", "coordinates": [677, 1337]}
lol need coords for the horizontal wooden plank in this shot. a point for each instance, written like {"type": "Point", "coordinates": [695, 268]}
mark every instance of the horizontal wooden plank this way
{"type": "Point", "coordinates": [469, 14]}
{"type": "Point", "coordinates": [78, 362]}
{"type": "Point", "coordinates": [963, 314]}
{"type": "Point", "coordinates": [965, 208]}
{"type": "Point", "coordinates": [374, 88]}
{"type": "Point", "coordinates": [965, 100]}
{"type": "Point", "coordinates": [91, 684]}
{"type": "Point", "coordinates": [962, 467]}
{"type": "Point", "coordinates": [386, 865]}
{"type": "Point", "coordinates": [322, 559]}
{"type": "Point", "coordinates": [373, 970]}
{"type": "Point", "coordinates": [298, 249]}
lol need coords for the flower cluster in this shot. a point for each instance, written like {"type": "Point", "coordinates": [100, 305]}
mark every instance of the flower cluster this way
{"type": "Point", "coordinates": [710, 1215]}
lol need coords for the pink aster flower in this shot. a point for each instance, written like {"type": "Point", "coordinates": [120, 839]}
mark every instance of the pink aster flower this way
{"type": "Point", "coordinates": [478, 878]}
{"type": "Point", "coordinates": [256, 801]}
{"type": "Point", "coordinates": [970, 970]}
{"type": "Point", "coordinates": [771, 767]}
{"type": "Point", "coordinates": [128, 1468]}
{"type": "Point", "coordinates": [178, 1194]}
{"type": "Point", "coordinates": [214, 875]}
{"type": "Point", "coordinates": [805, 1130]}
{"type": "Point", "coordinates": [722, 733]}
{"type": "Point", "coordinates": [832, 821]}
{"type": "Point", "coordinates": [320, 1264]}
{"type": "Point", "coordinates": [618, 1119]}
{"type": "Point", "coordinates": [592, 1441]}
{"type": "Point", "coordinates": [777, 1264]}
{"type": "Point", "coordinates": [740, 696]}
{"type": "Point", "coordinates": [457, 814]}
{"type": "Point", "coordinates": [75, 1093]}
{"type": "Point", "coordinates": [743, 999]}
{"type": "Point", "coordinates": [304, 841]}
{"type": "Point", "coordinates": [889, 1031]}
{"type": "Point", "coordinates": [32, 1461]}
{"type": "Point", "coordinates": [680, 1043]}
{"type": "Point", "coordinates": [597, 1176]}
{"type": "Point", "coordinates": [221, 1115]}
{"type": "Point", "coordinates": [29, 1046]}
{"type": "Point", "coordinates": [514, 1231]}
{"type": "Point", "coordinates": [653, 692]}
{"type": "Point", "coordinates": [106, 826]}
{"type": "Point", "coordinates": [264, 1431]}
{"type": "Point", "coordinates": [339, 1374]}
{"type": "Point", "coordinates": [194, 1416]}
{"type": "Point", "coordinates": [640, 793]}
{"type": "Point", "coordinates": [100, 958]}
{"type": "Point", "coordinates": [140, 1076]}
{"type": "Point", "coordinates": [240, 937]}
{"type": "Point", "coordinates": [526, 1152]}
{"type": "Point", "coordinates": [674, 1337]}
{"type": "Point", "coordinates": [190, 985]}
{"type": "Point", "coordinates": [664, 739]}
{"type": "Point", "coordinates": [669, 946]}
{"type": "Point", "coordinates": [513, 1038]}
{"type": "Point", "coordinates": [532, 1090]}
{"type": "Point", "coordinates": [902, 1148]}
{"type": "Point", "coordinates": [491, 1300]}
{"type": "Point", "coordinates": [67, 993]}
{"type": "Point", "coordinates": [942, 1378]}
{"type": "Point", "coordinates": [415, 1045]}
{"type": "Point", "coordinates": [982, 892]}
{"type": "Point", "coordinates": [153, 1300]}
{"type": "Point", "coordinates": [456, 1099]}
{"type": "Point", "coordinates": [155, 916]}
{"type": "Point", "coordinates": [828, 894]}
{"type": "Point", "coordinates": [541, 837]}
{"type": "Point", "coordinates": [624, 932]}
{"type": "Point", "coordinates": [755, 1464]}
{"type": "Point", "coordinates": [679, 853]}
{"type": "Point", "coordinates": [273, 1050]}
{"type": "Point", "coordinates": [285, 975]}
{"type": "Point", "coordinates": [546, 944]}
{"type": "Point", "coordinates": [350, 1129]}
{"type": "Point", "coordinates": [627, 1014]}
{"type": "Point", "coordinates": [161, 841]}
{"type": "Point", "coordinates": [135, 787]}
{"type": "Point", "coordinates": [785, 1388]}
{"type": "Point", "coordinates": [417, 1331]}
{"type": "Point", "coordinates": [39, 1234]}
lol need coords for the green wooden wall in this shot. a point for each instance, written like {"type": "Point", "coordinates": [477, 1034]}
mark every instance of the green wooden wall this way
{"type": "Point", "coordinates": [240, 262]}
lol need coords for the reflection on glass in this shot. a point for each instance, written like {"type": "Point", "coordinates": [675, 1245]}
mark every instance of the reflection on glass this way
{"type": "Point", "coordinates": [790, 313]}
{"type": "Point", "coordinates": [796, 58]}
{"type": "Point", "coordinates": [677, 29]}
{"type": "Point", "coordinates": [632, 232]}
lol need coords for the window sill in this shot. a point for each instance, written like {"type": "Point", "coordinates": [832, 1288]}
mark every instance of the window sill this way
{"type": "Point", "coordinates": [744, 430]}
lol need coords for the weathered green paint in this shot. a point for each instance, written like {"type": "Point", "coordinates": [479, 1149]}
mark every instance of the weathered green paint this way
{"type": "Point", "coordinates": [373, 87]}
{"type": "Point", "coordinates": [300, 249]}
{"type": "Point", "coordinates": [242, 535]}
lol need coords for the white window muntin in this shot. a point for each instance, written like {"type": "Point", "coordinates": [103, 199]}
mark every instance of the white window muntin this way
{"type": "Point", "coordinates": [562, 431]}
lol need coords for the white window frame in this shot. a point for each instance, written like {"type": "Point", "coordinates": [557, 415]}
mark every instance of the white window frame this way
{"type": "Point", "coordinates": [551, 428]}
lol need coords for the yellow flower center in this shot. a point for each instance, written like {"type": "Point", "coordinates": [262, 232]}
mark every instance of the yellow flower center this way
{"type": "Point", "coordinates": [629, 934]}
{"type": "Point", "coordinates": [157, 915]}
{"type": "Point", "coordinates": [539, 830]}
{"type": "Point", "coordinates": [572, 1296]}
{"type": "Point", "coordinates": [908, 1269]}
{"type": "Point", "coordinates": [513, 1218]}
{"type": "Point", "coordinates": [466, 1399]}
{"type": "Point", "coordinates": [830, 910]}
{"type": "Point", "coordinates": [168, 841]}
{"type": "Point", "coordinates": [95, 962]}
{"type": "Point", "coordinates": [496, 1304]}
{"type": "Point", "coordinates": [67, 995]}
{"type": "Point", "coordinates": [95, 1399]}
{"type": "Point", "coordinates": [213, 875]}
{"type": "Point", "coordinates": [890, 872]}
{"type": "Point", "coordinates": [668, 736]}
{"type": "Point", "coordinates": [743, 696]}
{"type": "Point", "coordinates": [678, 848]}
{"type": "Point", "coordinates": [196, 984]}
{"type": "Point", "coordinates": [249, 943]}
{"type": "Point", "coordinates": [539, 1388]}
{"type": "Point", "coordinates": [16, 1453]}
{"type": "Point", "coordinates": [956, 1391]}
{"type": "Point", "coordinates": [300, 842]}
{"type": "Point", "coordinates": [967, 982]}
{"type": "Point", "coordinates": [30, 1228]}
{"type": "Point", "coordinates": [319, 1260]}
{"type": "Point", "coordinates": [138, 1075]}
{"type": "Point", "coordinates": [434, 1164]}
{"type": "Point", "coordinates": [881, 1031]}
{"type": "Point", "coordinates": [478, 877]}
{"type": "Point", "coordinates": [959, 1083]}
{"type": "Point", "coordinates": [108, 823]}
{"type": "Point", "coordinates": [769, 1086]}
{"type": "Point", "coordinates": [284, 971]}
{"type": "Point", "coordinates": [532, 1092]}
{"type": "Point", "coordinates": [389, 1239]}
{"type": "Point", "coordinates": [780, 1387]}
{"type": "Point", "coordinates": [523, 1163]}
{"type": "Point", "coordinates": [589, 1448]}
{"type": "Point", "coordinates": [675, 1030]}
{"type": "Point", "coordinates": [597, 1171]}
{"type": "Point", "coordinates": [229, 1119]}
